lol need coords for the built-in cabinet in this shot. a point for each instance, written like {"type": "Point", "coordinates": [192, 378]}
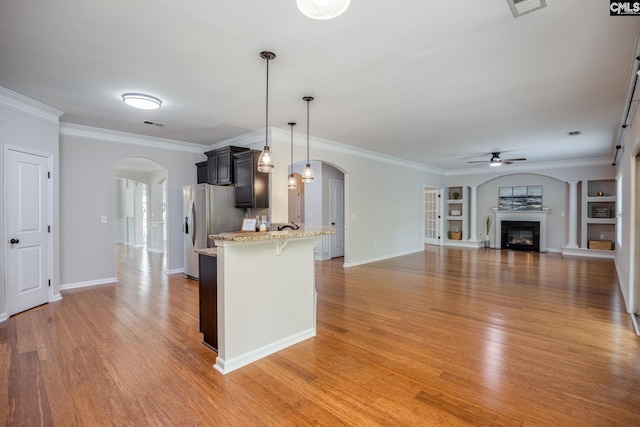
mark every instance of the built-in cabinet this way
{"type": "Point", "coordinates": [220, 170]}
{"type": "Point", "coordinates": [252, 187]}
{"type": "Point", "coordinates": [236, 165]}
{"type": "Point", "coordinates": [202, 172]}
{"type": "Point", "coordinates": [456, 217]}
{"type": "Point", "coordinates": [598, 214]}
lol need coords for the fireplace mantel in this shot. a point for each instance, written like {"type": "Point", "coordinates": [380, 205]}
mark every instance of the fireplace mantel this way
{"type": "Point", "coordinates": [534, 216]}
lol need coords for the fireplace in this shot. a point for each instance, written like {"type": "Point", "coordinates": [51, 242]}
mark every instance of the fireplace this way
{"type": "Point", "coordinates": [539, 217]}
{"type": "Point", "coordinates": [520, 235]}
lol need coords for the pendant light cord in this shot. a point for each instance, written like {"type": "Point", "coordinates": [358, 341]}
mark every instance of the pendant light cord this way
{"type": "Point", "coordinates": [308, 130]}
{"type": "Point", "coordinates": [266, 121]}
{"type": "Point", "coordinates": [292, 125]}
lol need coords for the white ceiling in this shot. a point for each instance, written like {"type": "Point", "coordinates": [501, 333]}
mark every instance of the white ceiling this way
{"type": "Point", "coordinates": [439, 83]}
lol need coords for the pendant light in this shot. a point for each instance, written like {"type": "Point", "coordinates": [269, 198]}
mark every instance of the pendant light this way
{"type": "Point", "coordinates": [293, 185]}
{"type": "Point", "coordinates": [265, 164]}
{"type": "Point", "coordinates": [307, 174]}
{"type": "Point", "coordinates": [322, 9]}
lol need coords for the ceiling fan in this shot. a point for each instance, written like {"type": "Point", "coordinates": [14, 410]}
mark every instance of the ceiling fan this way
{"type": "Point", "coordinates": [497, 161]}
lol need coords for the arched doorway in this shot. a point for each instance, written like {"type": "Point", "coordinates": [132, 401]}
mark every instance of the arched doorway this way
{"type": "Point", "coordinates": [140, 191]}
{"type": "Point", "coordinates": [321, 203]}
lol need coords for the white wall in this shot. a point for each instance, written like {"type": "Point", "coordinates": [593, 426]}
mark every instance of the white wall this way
{"type": "Point", "coordinates": [87, 159]}
{"type": "Point", "coordinates": [29, 125]}
{"type": "Point", "coordinates": [626, 254]}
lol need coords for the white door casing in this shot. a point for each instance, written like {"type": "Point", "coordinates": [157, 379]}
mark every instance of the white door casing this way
{"type": "Point", "coordinates": [431, 220]}
{"type": "Point", "coordinates": [27, 210]}
{"type": "Point", "coordinates": [336, 213]}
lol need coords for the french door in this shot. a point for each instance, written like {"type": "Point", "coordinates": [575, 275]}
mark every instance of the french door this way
{"type": "Point", "coordinates": [431, 217]}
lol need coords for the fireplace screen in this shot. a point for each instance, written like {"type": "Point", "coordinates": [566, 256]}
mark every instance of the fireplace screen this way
{"type": "Point", "coordinates": [520, 237]}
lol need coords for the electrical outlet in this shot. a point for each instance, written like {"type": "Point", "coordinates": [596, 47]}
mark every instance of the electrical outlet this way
{"type": "Point", "coordinates": [103, 219]}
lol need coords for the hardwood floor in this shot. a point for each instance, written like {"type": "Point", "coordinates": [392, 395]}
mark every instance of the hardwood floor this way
{"type": "Point", "coordinates": [445, 337]}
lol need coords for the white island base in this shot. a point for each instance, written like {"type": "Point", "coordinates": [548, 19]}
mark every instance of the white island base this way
{"type": "Point", "coordinates": [266, 294]}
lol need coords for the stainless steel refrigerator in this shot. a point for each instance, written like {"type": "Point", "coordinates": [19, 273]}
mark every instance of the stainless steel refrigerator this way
{"type": "Point", "coordinates": [208, 209]}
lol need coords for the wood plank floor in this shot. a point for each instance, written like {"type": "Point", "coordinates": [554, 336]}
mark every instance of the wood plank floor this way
{"type": "Point", "coordinates": [451, 336]}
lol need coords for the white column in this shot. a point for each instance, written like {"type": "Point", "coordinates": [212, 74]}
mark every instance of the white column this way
{"type": "Point", "coordinates": [573, 215]}
{"type": "Point", "coordinates": [474, 213]}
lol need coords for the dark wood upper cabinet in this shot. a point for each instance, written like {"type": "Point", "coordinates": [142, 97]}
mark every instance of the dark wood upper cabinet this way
{"type": "Point", "coordinates": [252, 187]}
{"type": "Point", "coordinates": [201, 171]}
{"type": "Point", "coordinates": [220, 165]}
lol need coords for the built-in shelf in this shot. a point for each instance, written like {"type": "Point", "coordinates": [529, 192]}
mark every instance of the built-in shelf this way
{"type": "Point", "coordinates": [598, 217]}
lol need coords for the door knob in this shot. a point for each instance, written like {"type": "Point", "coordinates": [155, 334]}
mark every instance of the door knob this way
{"type": "Point", "coordinates": [14, 241]}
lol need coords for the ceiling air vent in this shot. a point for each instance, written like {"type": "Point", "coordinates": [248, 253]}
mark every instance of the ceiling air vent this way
{"type": "Point", "coordinates": [150, 123]}
{"type": "Point", "coordinates": [522, 7]}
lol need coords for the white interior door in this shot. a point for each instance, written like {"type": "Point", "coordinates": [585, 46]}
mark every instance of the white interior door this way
{"type": "Point", "coordinates": [296, 197]}
{"type": "Point", "coordinates": [431, 220]}
{"type": "Point", "coordinates": [27, 222]}
{"type": "Point", "coordinates": [336, 213]}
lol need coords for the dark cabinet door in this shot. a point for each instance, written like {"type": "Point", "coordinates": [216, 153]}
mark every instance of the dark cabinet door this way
{"type": "Point", "coordinates": [252, 187]}
{"type": "Point", "coordinates": [244, 170]}
{"type": "Point", "coordinates": [212, 169]}
{"type": "Point", "coordinates": [208, 290]}
{"type": "Point", "coordinates": [225, 167]}
{"type": "Point", "coordinates": [201, 171]}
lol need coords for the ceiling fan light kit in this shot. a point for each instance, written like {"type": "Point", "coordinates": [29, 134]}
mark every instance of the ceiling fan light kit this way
{"type": "Point", "coordinates": [497, 161]}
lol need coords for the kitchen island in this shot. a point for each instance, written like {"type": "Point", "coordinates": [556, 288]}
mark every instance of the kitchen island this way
{"type": "Point", "coordinates": [266, 297]}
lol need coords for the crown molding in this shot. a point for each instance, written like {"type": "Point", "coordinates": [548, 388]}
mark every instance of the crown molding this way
{"type": "Point", "coordinates": [532, 167]}
{"type": "Point", "coordinates": [80, 131]}
{"type": "Point", "coordinates": [22, 104]}
{"type": "Point", "coordinates": [358, 152]}
{"type": "Point", "coordinates": [244, 140]}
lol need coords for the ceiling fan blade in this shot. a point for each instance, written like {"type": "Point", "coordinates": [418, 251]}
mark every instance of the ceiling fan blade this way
{"type": "Point", "coordinates": [479, 161]}
{"type": "Point", "coordinates": [521, 159]}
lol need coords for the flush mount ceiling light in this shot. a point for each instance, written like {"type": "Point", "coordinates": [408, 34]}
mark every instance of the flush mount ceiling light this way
{"type": "Point", "coordinates": [323, 9]}
{"type": "Point", "coordinates": [141, 101]}
{"type": "Point", "coordinates": [292, 184]}
{"type": "Point", "coordinates": [307, 174]}
{"type": "Point", "coordinates": [265, 164]}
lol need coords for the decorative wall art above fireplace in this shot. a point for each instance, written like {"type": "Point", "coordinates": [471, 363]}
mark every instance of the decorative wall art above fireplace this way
{"type": "Point", "coordinates": [521, 198]}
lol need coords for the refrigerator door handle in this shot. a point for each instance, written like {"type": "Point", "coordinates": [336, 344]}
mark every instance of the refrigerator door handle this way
{"type": "Point", "coordinates": [193, 224]}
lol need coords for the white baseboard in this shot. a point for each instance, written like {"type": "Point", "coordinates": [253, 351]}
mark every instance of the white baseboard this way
{"type": "Point", "coordinates": [464, 243]}
{"type": "Point", "coordinates": [3, 317]}
{"type": "Point", "coordinates": [108, 280]}
{"type": "Point", "coordinates": [382, 258]}
{"type": "Point", "coordinates": [592, 253]}
{"type": "Point", "coordinates": [636, 323]}
{"type": "Point", "coordinates": [155, 251]}
{"type": "Point", "coordinates": [226, 366]}
{"type": "Point", "coordinates": [56, 297]}
{"type": "Point", "coordinates": [174, 271]}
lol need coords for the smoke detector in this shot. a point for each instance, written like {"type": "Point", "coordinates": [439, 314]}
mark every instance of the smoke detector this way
{"type": "Point", "coordinates": [522, 7]}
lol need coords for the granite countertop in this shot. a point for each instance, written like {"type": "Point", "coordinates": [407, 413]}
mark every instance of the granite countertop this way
{"type": "Point", "coordinates": [208, 251]}
{"type": "Point", "coordinates": [251, 236]}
